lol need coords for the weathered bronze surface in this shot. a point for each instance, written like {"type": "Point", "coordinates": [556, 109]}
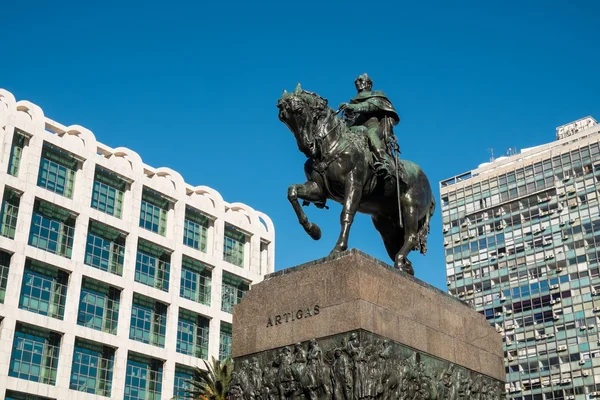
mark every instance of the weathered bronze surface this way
{"type": "Point", "coordinates": [355, 366]}
{"type": "Point", "coordinates": [350, 161]}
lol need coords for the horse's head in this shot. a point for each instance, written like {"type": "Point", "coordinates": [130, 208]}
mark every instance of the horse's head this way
{"type": "Point", "coordinates": [300, 111]}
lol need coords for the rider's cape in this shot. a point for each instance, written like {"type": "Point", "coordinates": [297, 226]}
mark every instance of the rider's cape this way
{"type": "Point", "coordinates": [380, 100]}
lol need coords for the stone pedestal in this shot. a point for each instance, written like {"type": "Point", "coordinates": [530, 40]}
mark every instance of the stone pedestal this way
{"type": "Point", "coordinates": [351, 327]}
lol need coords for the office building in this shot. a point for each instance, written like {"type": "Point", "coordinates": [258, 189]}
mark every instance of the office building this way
{"type": "Point", "coordinates": [116, 278]}
{"type": "Point", "coordinates": [522, 246]}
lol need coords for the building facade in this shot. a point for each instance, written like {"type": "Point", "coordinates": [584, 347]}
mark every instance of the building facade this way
{"type": "Point", "coordinates": [116, 278]}
{"type": "Point", "coordinates": [522, 246]}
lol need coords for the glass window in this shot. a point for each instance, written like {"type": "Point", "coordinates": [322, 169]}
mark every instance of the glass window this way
{"type": "Point", "coordinates": [52, 229]}
{"type": "Point", "coordinates": [98, 306]}
{"type": "Point", "coordinates": [233, 245]}
{"type": "Point", "coordinates": [107, 195]}
{"type": "Point", "coordinates": [195, 281]}
{"type": "Point", "coordinates": [143, 378]}
{"type": "Point", "coordinates": [153, 212]}
{"type": "Point", "coordinates": [57, 171]}
{"type": "Point", "coordinates": [192, 334]}
{"type": "Point", "coordinates": [44, 289]}
{"type": "Point", "coordinates": [105, 248]}
{"type": "Point", "coordinates": [16, 152]}
{"type": "Point", "coordinates": [181, 386]}
{"type": "Point", "coordinates": [9, 213]}
{"type": "Point", "coordinates": [11, 395]}
{"type": "Point", "coordinates": [195, 229]}
{"type": "Point", "coordinates": [148, 321]}
{"type": "Point", "coordinates": [4, 268]}
{"type": "Point", "coordinates": [232, 291]}
{"type": "Point", "coordinates": [34, 354]}
{"type": "Point", "coordinates": [225, 341]}
{"type": "Point", "coordinates": [152, 266]}
{"type": "Point", "coordinates": [92, 368]}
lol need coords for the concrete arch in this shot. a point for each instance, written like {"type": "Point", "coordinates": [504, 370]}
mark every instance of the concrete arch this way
{"type": "Point", "coordinates": [30, 116]}
{"type": "Point", "coordinates": [267, 224]}
{"type": "Point", "coordinates": [87, 137]}
{"type": "Point", "coordinates": [133, 159]}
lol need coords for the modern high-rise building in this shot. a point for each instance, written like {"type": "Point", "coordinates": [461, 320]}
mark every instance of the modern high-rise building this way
{"type": "Point", "coordinates": [116, 278]}
{"type": "Point", "coordinates": [522, 246]}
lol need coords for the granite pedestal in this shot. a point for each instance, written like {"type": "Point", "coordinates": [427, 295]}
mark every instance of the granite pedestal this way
{"type": "Point", "coordinates": [352, 327]}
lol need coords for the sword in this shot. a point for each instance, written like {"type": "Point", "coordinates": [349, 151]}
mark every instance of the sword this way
{"type": "Point", "coordinates": [395, 150]}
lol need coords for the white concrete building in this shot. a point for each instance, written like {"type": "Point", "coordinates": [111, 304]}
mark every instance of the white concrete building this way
{"type": "Point", "coordinates": [115, 277]}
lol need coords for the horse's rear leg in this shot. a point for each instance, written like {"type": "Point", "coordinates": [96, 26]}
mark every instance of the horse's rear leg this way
{"type": "Point", "coordinates": [411, 236]}
{"type": "Point", "coordinates": [390, 232]}
{"type": "Point", "coordinates": [309, 191]}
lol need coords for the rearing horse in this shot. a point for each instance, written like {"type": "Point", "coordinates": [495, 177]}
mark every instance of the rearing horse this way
{"type": "Point", "coordinates": [339, 167]}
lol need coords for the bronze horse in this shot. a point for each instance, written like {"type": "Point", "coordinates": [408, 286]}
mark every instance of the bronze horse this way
{"type": "Point", "coordinates": [339, 167]}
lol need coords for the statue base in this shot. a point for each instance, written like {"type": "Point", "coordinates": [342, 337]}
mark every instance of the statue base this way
{"type": "Point", "coordinates": [351, 327]}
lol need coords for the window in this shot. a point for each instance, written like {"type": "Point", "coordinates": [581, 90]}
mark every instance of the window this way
{"type": "Point", "coordinates": [4, 268]}
{"type": "Point", "coordinates": [264, 256]}
{"type": "Point", "coordinates": [57, 171]}
{"type": "Point", "coordinates": [92, 368]}
{"type": "Point", "coordinates": [153, 212]}
{"type": "Point", "coordinates": [195, 281]}
{"type": "Point", "coordinates": [98, 306]}
{"type": "Point", "coordinates": [148, 321]}
{"type": "Point", "coordinates": [233, 245]}
{"type": "Point", "coordinates": [192, 334]}
{"type": "Point", "coordinates": [233, 290]}
{"type": "Point", "coordinates": [181, 386]}
{"type": "Point", "coordinates": [16, 152]}
{"type": "Point", "coordinates": [44, 289]}
{"type": "Point", "coordinates": [107, 195]}
{"type": "Point", "coordinates": [52, 229]}
{"type": "Point", "coordinates": [225, 341]}
{"type": "Point", "coordinates": [143, 379]}
{"type": "Point", "coordinates": [152, 266]}
{"type": "Point", "coordinates": [34, 354]}
{"type": "Point", "coordinates": [9, 213]}
{"type": "Point", "coordinates": [195, 229]}
{"type": "Point", "coordinates": [10, 395]}
{"type": "Point", "coordinates": [105, 248]}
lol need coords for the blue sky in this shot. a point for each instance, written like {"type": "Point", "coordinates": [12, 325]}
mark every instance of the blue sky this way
{"type": "Point", "coordinates": [464, 76]}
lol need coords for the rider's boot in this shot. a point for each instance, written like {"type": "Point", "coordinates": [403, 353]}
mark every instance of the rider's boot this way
{"type": "Point", "coordinates": [384, 165]}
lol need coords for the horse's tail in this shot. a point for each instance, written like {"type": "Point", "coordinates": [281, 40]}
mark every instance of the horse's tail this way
{"type": "Point", "coordinates": [424, 231]}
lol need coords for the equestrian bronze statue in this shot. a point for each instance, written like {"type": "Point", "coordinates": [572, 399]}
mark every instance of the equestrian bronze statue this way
{"type": "Point", "coordinates": [350, 161]}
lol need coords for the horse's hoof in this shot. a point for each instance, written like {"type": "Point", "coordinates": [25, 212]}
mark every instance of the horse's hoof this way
{"type": "Point", "coordinates": [314, 231]}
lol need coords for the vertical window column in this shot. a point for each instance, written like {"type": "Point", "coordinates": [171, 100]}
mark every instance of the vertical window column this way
{"type": "Point", "coordinates": [98, 306]}
{"type": "Point", "coordinates": [148, 321]}
{"type": "Point", "coordinates": [52, 229]}
{"type": "Point", "coordinates": [16, 152]}
{"type": "Point", "coordinates": [107, 194]}
{"type": "Point", "coordinates": [152, 266]}
{"type": "Point", "coordinates": [34, 354]}
{"type": "Point", "coordinates": [4, 268]}
{"type": "Point", "coordinates": [143, 378]}
{"type": "Point", "coordinates": [57, 171]}
{"type": "Point", "coordinates": [10, 212]}
{"type": "Point", "coordinates": [153, 212]}
{"type": "Point", "coordinates": [105, 248]}
{"type": "Point", "coordinates": [225, 341]}
{"type": "Point", "coordinates": [92, 368]}
{"type": "Point", "coordinates": [195, 281]}
{"type": "Point", "coordinates": [195, 229]}
{"type": "Point", "coordinates": [44, 289]}
{"type": "Point", "coordinates": [233, 289]}
{"type": "Point", "coordinates": [233, 245]}
{"type": "Point", "coordinates": [192, 334]}
{"type": "Point", "coordinates": [181, 385]}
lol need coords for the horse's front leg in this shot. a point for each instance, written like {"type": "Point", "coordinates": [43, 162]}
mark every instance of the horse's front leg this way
{"type": "Point", "coordinates": [309, 191]}
{"type": "Point", "coordinates": [352, 195]}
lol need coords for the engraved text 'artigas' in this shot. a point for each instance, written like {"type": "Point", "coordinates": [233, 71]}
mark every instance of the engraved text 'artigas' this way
{"type": "Point", "coordinates": [286, 317]}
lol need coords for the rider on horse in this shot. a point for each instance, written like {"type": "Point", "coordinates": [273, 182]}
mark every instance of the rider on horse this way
{"type": "Point", "coordinates": [373, 111]}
